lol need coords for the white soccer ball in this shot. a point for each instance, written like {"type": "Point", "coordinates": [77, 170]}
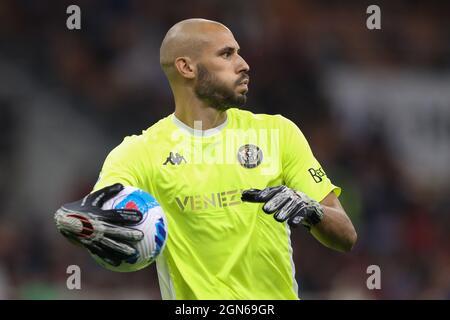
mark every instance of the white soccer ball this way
{"type": "Point", "coordinates": [153, 225]}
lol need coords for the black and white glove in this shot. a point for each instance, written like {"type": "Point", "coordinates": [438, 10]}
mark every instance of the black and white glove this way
{"type": "Point", "coordinates": [105, 233]}
{"type": "Point", "coordinates": [286, 204]}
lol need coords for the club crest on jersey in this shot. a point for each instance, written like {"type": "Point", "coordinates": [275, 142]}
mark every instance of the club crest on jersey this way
{"type": "Point", "coordinates": [174, 159]}
{"type": "Point", "coordinates": [249, 156]}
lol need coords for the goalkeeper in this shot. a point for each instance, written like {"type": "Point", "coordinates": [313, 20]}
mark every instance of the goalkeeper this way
{"type": "Point", "coordinates": [232, 183]}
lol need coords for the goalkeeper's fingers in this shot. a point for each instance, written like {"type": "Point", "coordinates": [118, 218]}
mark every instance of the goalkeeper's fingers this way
{"type": "Point", "coordinates": [278, 201]}
{"type": "Point", "coordinates": [89, 227]}
{"type": "Point", "coordinates": [257, 195]}
{"type": "Point", "coordinates": [122, 233]}
{"type": "Point", "coordinates": [110, 247]}
{"type": "Point", "coordinates": [99, 197]}
{"type": "Point", "coordinates": [107, 255]}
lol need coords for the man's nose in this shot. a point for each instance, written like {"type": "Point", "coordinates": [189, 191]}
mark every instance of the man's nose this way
{"type": "Point", "coordinates": [243, 66]}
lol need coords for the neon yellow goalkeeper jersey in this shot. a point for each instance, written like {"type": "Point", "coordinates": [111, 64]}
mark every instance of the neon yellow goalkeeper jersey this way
{"type": "Point", "coordinates": [219, 247]}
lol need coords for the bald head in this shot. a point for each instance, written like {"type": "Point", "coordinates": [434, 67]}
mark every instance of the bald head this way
{"type": "Point", "coordinates": [187, 38]}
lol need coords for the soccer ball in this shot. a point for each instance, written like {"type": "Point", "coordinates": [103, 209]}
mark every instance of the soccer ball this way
{"type": "Point", "coordinates": [153, 225]}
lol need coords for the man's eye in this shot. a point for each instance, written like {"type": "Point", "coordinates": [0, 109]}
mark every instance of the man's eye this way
{"type": "Point", "coordinates": [226, 54]}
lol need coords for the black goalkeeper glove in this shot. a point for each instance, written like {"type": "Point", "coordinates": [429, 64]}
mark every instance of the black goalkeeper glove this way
{"type": "Point", "coordinates": [286, 204]}
{"type": "Point", "coordinates": [105, 233]}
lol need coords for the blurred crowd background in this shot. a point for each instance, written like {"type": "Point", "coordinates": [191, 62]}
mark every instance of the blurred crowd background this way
{"type": "Point", "coordinates": [374, 105]}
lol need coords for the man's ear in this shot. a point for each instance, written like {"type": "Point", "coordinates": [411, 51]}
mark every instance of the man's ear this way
{"type": "Point", "coordinates": [185, 67]}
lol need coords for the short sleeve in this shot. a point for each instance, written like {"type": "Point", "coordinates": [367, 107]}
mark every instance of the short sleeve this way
{"type": "Point", "coordinates": [122, 166]}
{"type": "Point", "coordinates": [301, 170]}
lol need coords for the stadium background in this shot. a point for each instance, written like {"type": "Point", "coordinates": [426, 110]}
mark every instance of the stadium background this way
{"type": "Point", "coordinates": [374, 105]}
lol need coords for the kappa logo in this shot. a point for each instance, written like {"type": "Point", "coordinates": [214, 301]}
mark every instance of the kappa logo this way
{"type": "Point", "coordinates": [174, 159]}
{"type": "Point", "coordinates": [250, 156]}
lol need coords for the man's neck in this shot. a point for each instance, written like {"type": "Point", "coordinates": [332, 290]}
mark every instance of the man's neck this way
{"type": "Point", "coordinates": [200, 117]}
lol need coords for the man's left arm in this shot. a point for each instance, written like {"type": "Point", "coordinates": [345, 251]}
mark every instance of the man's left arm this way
{"type": "Point", "coordinates": [327, 220]}
{"type": "Point", "coordinates": [308, 196]}
{"type": "Point", "coordinates": [335, 230]}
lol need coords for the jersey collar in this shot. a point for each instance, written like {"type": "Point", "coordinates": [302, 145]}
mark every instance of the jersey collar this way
{"type": "Point", "coordinates": [199, 133]}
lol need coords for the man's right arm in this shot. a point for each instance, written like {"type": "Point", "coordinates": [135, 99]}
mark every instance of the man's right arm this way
{"type": "Point", "coordinates": [120, 168]}
{"type": "Point", "coordinates": [122, 165]}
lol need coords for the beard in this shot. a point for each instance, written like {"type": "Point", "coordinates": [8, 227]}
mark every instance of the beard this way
{"type": "Point", "coordinates": [216, 93]}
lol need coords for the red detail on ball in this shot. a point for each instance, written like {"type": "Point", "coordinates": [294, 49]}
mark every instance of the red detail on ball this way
{"type": "Point", "coordinates": [131, 205]}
